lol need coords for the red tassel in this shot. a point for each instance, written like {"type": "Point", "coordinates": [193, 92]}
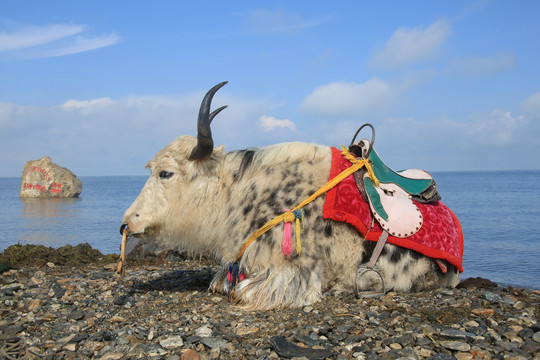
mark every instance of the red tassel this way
{"type": "Point", "coordinates": [286, 245]}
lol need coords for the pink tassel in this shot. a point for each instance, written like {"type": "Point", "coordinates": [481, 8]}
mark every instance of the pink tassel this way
{"type": "Point", "coordinates": [286, 245]}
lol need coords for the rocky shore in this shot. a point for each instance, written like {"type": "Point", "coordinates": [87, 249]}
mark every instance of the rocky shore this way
{"type": "Point", "coordinates": [162, 310]}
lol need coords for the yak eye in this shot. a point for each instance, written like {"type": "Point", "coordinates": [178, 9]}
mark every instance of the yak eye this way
{"type": "Point", "coordinates": [165, 174]}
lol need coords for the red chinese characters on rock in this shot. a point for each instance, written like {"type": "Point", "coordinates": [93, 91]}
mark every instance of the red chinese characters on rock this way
{"type": "Point", "coordinates": [41, 170]}
{"type": "Point", "coordinates": [56, 188]}
{"type": "Point", "coordinates": [42, 188]}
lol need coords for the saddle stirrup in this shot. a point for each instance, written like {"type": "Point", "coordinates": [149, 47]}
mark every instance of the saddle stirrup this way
{"type": "Point", "coordinates": [370, 266]}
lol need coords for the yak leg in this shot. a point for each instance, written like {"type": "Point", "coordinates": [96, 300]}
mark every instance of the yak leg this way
{"type": "Point", "coordinates": [289, 286]}
{"type": "Point", "coordinates": [219, 283]}
{"type": "Point", "coordinates": [405, 270]}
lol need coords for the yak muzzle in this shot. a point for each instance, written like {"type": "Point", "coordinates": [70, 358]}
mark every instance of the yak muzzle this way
{"type": "Point", "coordinates": [122, 227]}
{"type": "Point", "coordinates": [147, 231]}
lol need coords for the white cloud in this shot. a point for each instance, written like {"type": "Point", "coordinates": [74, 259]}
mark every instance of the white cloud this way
{"type": "Point", "coordinates": [36, 35]}
{"type": "Point", "coordinates": [484, 65]}
{"type": "Point", "coordinates": [280, 21]}
{"type": "Point", "coordinates": [346, 98]}
{"type": "Point", "coordinates": [269, 123]}
{"type": "Point", "coordinates": [87, 106]}
{"type": "Point", "coordinates": [107, 136]}
{"type": "Point", "coordinates": [52, 40]}
{"type": "Point", "coordinates": [118, 136]}
{"type": "Point", "coordinates": [79, 44]}
{"type": "Point", "coordinates": [409, 45]}
{"type": "Point", "coordinates": [531, 106]}
{"type": "Point", "coordinates": [496, 128]}
{"type": "Point", "coordinates": [488, 141]}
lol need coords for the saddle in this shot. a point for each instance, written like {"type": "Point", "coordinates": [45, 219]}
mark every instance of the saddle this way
{"type": "Point", "coordinates": [391, 200]}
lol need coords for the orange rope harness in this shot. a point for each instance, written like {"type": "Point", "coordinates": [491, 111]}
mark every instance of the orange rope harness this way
{"type": "Point", "coordinates": [289, 216]}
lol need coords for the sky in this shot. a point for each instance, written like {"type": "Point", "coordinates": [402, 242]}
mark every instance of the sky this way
{"type": "Point", "coordinates": [101, 86]}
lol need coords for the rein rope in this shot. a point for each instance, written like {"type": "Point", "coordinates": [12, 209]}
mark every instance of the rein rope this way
{"type": "Point", "coordinates": [290, 216]}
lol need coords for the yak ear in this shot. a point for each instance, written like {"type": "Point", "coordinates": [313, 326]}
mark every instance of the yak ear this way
{"type": "Point", "coordinates": [205, 143]}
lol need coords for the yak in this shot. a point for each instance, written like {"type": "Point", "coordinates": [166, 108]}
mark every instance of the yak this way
{"type": "Point", "coordinates": [207, 201]}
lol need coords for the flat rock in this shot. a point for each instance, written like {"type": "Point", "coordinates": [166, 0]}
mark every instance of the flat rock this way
{"type": "Point", "coordinates": [457, 334]}
{"type": "Point", "coordinates": [214, 342]}
{"type": "Point", "coordinates": [289, 350]}
{"type": "Point", "coordinates": [456, 345]}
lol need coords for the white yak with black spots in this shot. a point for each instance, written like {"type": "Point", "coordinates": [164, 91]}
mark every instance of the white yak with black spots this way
{"type": "Point", "coordinates": [208, 201]}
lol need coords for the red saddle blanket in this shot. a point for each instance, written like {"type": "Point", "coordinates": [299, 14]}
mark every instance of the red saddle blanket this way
{"type": "Point", "coordinates": [440, 236]}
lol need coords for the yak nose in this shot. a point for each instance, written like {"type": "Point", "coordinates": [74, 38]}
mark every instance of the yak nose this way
{"type": "Point", "coordinates": [122, 227]}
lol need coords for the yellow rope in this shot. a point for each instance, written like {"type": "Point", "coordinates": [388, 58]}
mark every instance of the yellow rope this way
{"type": "Point", "coordinates": [354, 160]}
{"type": "Point", "coordinates": [289, 216]}
{"type": "Point", "coordinates": [298, 230]}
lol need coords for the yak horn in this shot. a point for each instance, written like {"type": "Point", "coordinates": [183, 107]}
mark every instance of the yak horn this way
{"type": "Point", "coordinates": [205, 144]}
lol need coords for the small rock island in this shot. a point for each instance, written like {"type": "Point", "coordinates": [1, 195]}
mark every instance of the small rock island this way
{"type": "Point", "coordinates": [44, 179]}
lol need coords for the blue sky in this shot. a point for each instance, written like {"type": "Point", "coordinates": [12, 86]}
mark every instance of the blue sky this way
{"type": "Point", "coordinates": [101, 86]}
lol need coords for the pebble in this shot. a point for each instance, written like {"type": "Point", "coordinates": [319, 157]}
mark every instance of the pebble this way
{"type": "Point", "coordinates": [456, 345]}
{"type": "Point", "coordinates": [163, 311]}
{"type": "Point", "coordinates": [456, 334]}
{"type": "Point", "coordinates": [483, 312]}
{"type": "Point", "coordinates": [171, 342]}
{"type": "Point", "coordinates": [204, 331]}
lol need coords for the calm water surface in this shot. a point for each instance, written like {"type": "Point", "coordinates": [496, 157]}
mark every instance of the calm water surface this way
{"type": "Point", "coordinates": [94, 217]}
{"type": "Point", "coordinates": [499, 213]}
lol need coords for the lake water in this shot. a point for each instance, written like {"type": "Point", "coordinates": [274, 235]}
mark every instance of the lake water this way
{"type": "Point", "coordinates": [499, 213]}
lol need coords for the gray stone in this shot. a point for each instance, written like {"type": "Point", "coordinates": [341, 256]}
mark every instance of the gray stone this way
{"type": "Point", "coordinates": [287, 349]}
{"type": "Point", "coordinates": [172, 342]}
{"type": "Point", "coordinates": [204, 331]}
{"type": "Point", "coordinates": [44, 179]}
{"type": "Point", "coordinates": [308, 340]}
{"type": "Point", "coordinates": [122, 340]}
{"type": "Point", "coordinates": [406, 354]}
{"type": "Point", "coordinates": [456, 345]}
{"type": "Point", "coordinates": [506, 345]}
{"type": "Point", "coordinates": [536, 336]}
{"type": "Point", "coordinates": [443, 357]}
{"type": "Point", "coordinates": [77, 315]}
{"type": "Point", "coordinates": [404, 340]}
{"type": "Point", "coordinates": [526, 334]}
{"type": "Point", "coordinates": [492, 297]}
{"type": "Point", "coordinates": [457, 334]}
{"type": "Point", "coordinates": [530, 346]}
{"type": "Point", "coordinates": [214, 342]}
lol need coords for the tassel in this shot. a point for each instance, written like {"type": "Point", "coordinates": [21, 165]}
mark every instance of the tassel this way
{"type": "Point", "coordinates": [299, 215]}
{"type": "Point", "coordinates": [286, 244]}
{"type": "Point", "coordinates": [235, 275]}
{"type": "Point", "coordinates": [289, 217]}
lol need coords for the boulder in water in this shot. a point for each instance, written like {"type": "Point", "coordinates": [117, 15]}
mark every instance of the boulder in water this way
{"type": "Point", "coordinates": [44, 179]}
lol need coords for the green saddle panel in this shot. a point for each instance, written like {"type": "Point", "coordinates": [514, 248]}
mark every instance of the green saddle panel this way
{"type": "Point", "coordinates": [374, 198]}
{"type": "Point", "coordinates": [392, 200]}
{"type": "Point", "coordinates": [387, 175]}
